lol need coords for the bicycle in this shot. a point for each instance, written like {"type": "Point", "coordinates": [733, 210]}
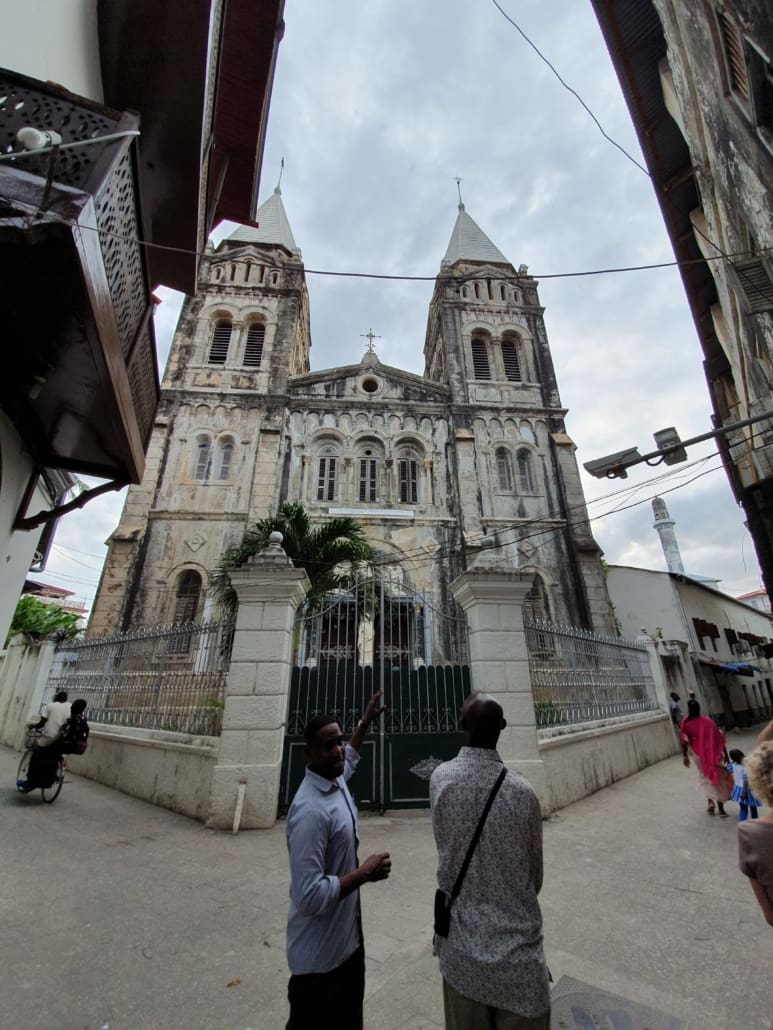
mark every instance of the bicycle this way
{"type": "Point", "coordinates": [49, 794]}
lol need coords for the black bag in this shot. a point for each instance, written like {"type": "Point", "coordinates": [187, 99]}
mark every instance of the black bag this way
{"type": "Point", "coordinates": [74, 738]}
{"type": "Point", "coordinates": [442, 913]}
{"type": "Point", "coordinates": [443, 903]}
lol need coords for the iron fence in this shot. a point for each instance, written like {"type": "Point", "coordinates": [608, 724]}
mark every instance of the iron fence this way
{"type": "Point", "coordinates": [160, 677]}
{"type": "Point", "coordinates": [578, 676]}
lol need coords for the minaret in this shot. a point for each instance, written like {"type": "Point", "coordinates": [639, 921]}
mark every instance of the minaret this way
{"type": "Point", "coordinates": [664, 525]}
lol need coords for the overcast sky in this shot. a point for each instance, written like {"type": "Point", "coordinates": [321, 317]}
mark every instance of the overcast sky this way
{"type": "Point", "coordinates": [376, 108]}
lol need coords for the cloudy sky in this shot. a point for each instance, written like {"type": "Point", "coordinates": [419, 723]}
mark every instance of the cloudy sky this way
{"type": "Point", "coordinates": [376, 109]}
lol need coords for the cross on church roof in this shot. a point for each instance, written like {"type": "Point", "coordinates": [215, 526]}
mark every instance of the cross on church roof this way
{"type": "Point", "coordinates": [370, 336]}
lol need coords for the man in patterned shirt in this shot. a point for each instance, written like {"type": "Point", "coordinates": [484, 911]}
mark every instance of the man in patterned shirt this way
{"type": "Point", "coordinates": [492, 961]}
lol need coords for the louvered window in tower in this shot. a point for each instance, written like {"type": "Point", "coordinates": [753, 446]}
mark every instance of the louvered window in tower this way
{"type": "Point", "coordinates": [221, 338]}
{"type": "Point", "coordinates": [535, 605]}
{"type": "Point", "coordinates": [203, 459]}
{"type": "Point", "coordinates": [409, 479]}
{"type": "Point", "coordinates": [480, 363]}
{"type": "Point", "coordinates": [504, 470]}
{"type": "Point", "coordinates": [327, 473]}
{"type": "Point", "coordinates": [226, 458]}
{"type": "Point", "coordinates": [525, 473]}
{"type": "Point", "coordinates": [368, 478]}
{"type": "Point", "coordinates": [734, 54]}
{"type": "Point", "coordinates": [253, 349]}
{"type": "Point", "coordinates": [511, 361]}
{"type": "Point", "coordinates": [187, 598]}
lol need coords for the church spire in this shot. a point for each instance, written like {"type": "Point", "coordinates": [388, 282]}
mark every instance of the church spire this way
{"type": "Point", "coordinates": [469, 242]}
{"type": "Point", "coordinates": [273, 226]}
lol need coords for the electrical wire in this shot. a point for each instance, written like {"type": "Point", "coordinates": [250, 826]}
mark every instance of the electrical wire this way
{"type": "Point", "coordinates": [574, 92]}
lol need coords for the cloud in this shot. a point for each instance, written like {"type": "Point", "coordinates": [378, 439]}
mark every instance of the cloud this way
{"type": "Point", "coordinates": [376, 108]}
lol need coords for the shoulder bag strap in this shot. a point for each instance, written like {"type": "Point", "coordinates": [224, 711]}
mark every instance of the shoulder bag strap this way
{"type": "Point", "coordinates": [476, 837]}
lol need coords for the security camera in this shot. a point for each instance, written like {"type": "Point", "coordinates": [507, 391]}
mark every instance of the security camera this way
{"type": "Point", "coordinates": [613, 465]}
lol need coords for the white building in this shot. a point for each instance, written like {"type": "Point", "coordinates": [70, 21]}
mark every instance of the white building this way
{"type": "Point", "coordinates": [708, 641]}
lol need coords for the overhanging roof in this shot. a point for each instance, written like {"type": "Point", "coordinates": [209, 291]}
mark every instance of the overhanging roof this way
{"type": "Point", "coordinates": [196, 168]}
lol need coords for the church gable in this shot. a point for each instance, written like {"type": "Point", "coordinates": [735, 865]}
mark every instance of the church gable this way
{"type": "Point", "coordinates": [369, 381]}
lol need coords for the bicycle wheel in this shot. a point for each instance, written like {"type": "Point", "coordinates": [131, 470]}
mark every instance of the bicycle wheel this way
{"type": "Point", "coordinates": [24, 765]}
{"type": "Point", "coordinates": [50, 794]}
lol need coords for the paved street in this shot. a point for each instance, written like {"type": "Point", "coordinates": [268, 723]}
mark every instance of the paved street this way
{"type": "Point", "coordinates": [119, 915]}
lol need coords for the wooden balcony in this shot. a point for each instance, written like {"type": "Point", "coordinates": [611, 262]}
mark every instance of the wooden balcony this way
{"type": "Point", "coordinates": [79, 378]}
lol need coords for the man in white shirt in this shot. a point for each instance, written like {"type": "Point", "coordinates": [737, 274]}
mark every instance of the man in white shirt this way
{"type": "Point", "coordinates": [492, 961]}
{"type": "Point", "coordinates": [42, 768]}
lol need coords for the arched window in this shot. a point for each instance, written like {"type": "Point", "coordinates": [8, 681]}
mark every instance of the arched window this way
{"type": "Point", "coordinates": [511, 360]}
{"type": "Point", "coordinates": [218, 345]}
{"type": "Point", "coordinates": [525, 473]}
{"type": "Point", "coordinates": [253, 349]}
{"type": "Point", "coordinates": [367, 475]}
{"type": "Point", "coordinates": [536, 606]}
{"type": "Point", "coordinates": [203, 459]}
{"type": "Point", "coordinates": [327, 473]}
{"type": "Point", "coordinates": [187, 596]}
{"type": "Point", "coordinates": [408, 471]}
{"type": "Point", "coordinates": [226, 453]}
{"type": "Point", "coordinates": [504, 470]}
{"type": "Point", "coordinates": [480, 363]}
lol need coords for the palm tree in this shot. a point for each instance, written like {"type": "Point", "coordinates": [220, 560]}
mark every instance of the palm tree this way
{"type": "Point", "coordinates": [329, 552]}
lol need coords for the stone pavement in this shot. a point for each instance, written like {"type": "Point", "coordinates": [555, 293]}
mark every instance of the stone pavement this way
{"type": "Point", "coordinates": [119, 915]}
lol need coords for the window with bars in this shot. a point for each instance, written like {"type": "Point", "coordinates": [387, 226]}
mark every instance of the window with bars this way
{"type": "Point", "coordinates": [511, 360]}
{"type": "Point", "coordinates": [504, 470]}
{"type": "Point", "coordinates": [408, 470]}
{"type": "Point", "coordinates": [480, 363]}
{"type": "Point", "coordinates": [221, 338]}
{"type": "Point", "coordinates": [253, 348]}
{"type": "Point", "coordinates": [226, 460]}
{"type": "Point", "coordinates": [327, 473]}
{"type": "Point", "coordinates": [525, 473]}
{"type": "Point", "coordinates": [367, 487]}
{"type": "Point", "coordinates": [203, 459]}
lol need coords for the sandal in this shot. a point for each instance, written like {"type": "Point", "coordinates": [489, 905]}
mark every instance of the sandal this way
{"type": "Point", "coordinates": [712, 809]}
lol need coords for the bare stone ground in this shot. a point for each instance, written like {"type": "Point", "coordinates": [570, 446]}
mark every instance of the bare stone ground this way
{"type": "Point", "coordinates": [119, 915]}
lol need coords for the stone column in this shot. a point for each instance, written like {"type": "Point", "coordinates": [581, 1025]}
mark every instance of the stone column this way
{"type": "Point", "coordinates": [270, 589]}
{"type": "Point", "coordinates": [499, 664]}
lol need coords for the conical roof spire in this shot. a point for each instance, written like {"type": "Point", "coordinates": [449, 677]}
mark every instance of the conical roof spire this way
{"type": "Point", "coordinates": [273, 226]}
{"type": "Point", "coordinates": [469, 243]}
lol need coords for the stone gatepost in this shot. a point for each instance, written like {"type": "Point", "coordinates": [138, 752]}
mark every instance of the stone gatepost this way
{"type": "Point", "coordinates": [499, 664]}
{"type": "Point", "coordinates": [249, 761]}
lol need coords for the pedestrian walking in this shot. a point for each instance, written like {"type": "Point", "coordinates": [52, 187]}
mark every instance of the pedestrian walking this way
{"type": "Point", "coordinates": [755, 839]}
{"type": "Point", "coordinates": [741, 793]}
{"type": "Point", "coordinates": [676, 712]}
{"type": "Point", "coordinates": [700, 735]}
{"type": "Point", "coordinates": [488, 831]}
{"type": "Point", "coordinates": [325, 947]}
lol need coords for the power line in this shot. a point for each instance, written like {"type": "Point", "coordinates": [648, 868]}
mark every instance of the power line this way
{"type": "Point", "coordinates": [566, 86]}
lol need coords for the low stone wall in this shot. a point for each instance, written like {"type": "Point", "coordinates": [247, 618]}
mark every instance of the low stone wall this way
{"type": "Point", "coordinates": [173, 770]}
{"type": "Point", "coordinates": [580, 760]}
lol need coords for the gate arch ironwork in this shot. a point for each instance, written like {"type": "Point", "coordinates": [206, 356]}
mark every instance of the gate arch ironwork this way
{"type": "Point", "coordinates": [377, 632]}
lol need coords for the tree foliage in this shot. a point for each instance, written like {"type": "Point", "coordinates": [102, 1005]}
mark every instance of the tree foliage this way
{"type": "Point", "coordinates": [329, 552]}
{"type": "Point", "coordinates": [39, 620]}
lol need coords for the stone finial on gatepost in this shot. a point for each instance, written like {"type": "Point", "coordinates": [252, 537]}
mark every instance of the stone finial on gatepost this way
{"type": "Point", "coordinates": [270, 589]}
{"type": "Point", "coordinates": [499, 664]}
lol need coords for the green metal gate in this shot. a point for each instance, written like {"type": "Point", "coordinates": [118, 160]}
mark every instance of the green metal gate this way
{"type": "Point", "coordinates": [380, 633]}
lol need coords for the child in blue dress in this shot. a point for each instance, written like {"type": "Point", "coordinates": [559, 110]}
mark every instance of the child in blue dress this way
{"type": "Point", "coordinates": [741, 791]}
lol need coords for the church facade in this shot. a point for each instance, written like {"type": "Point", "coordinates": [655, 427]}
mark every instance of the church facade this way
{"type": "Point", "coordinates": [467, 464]}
